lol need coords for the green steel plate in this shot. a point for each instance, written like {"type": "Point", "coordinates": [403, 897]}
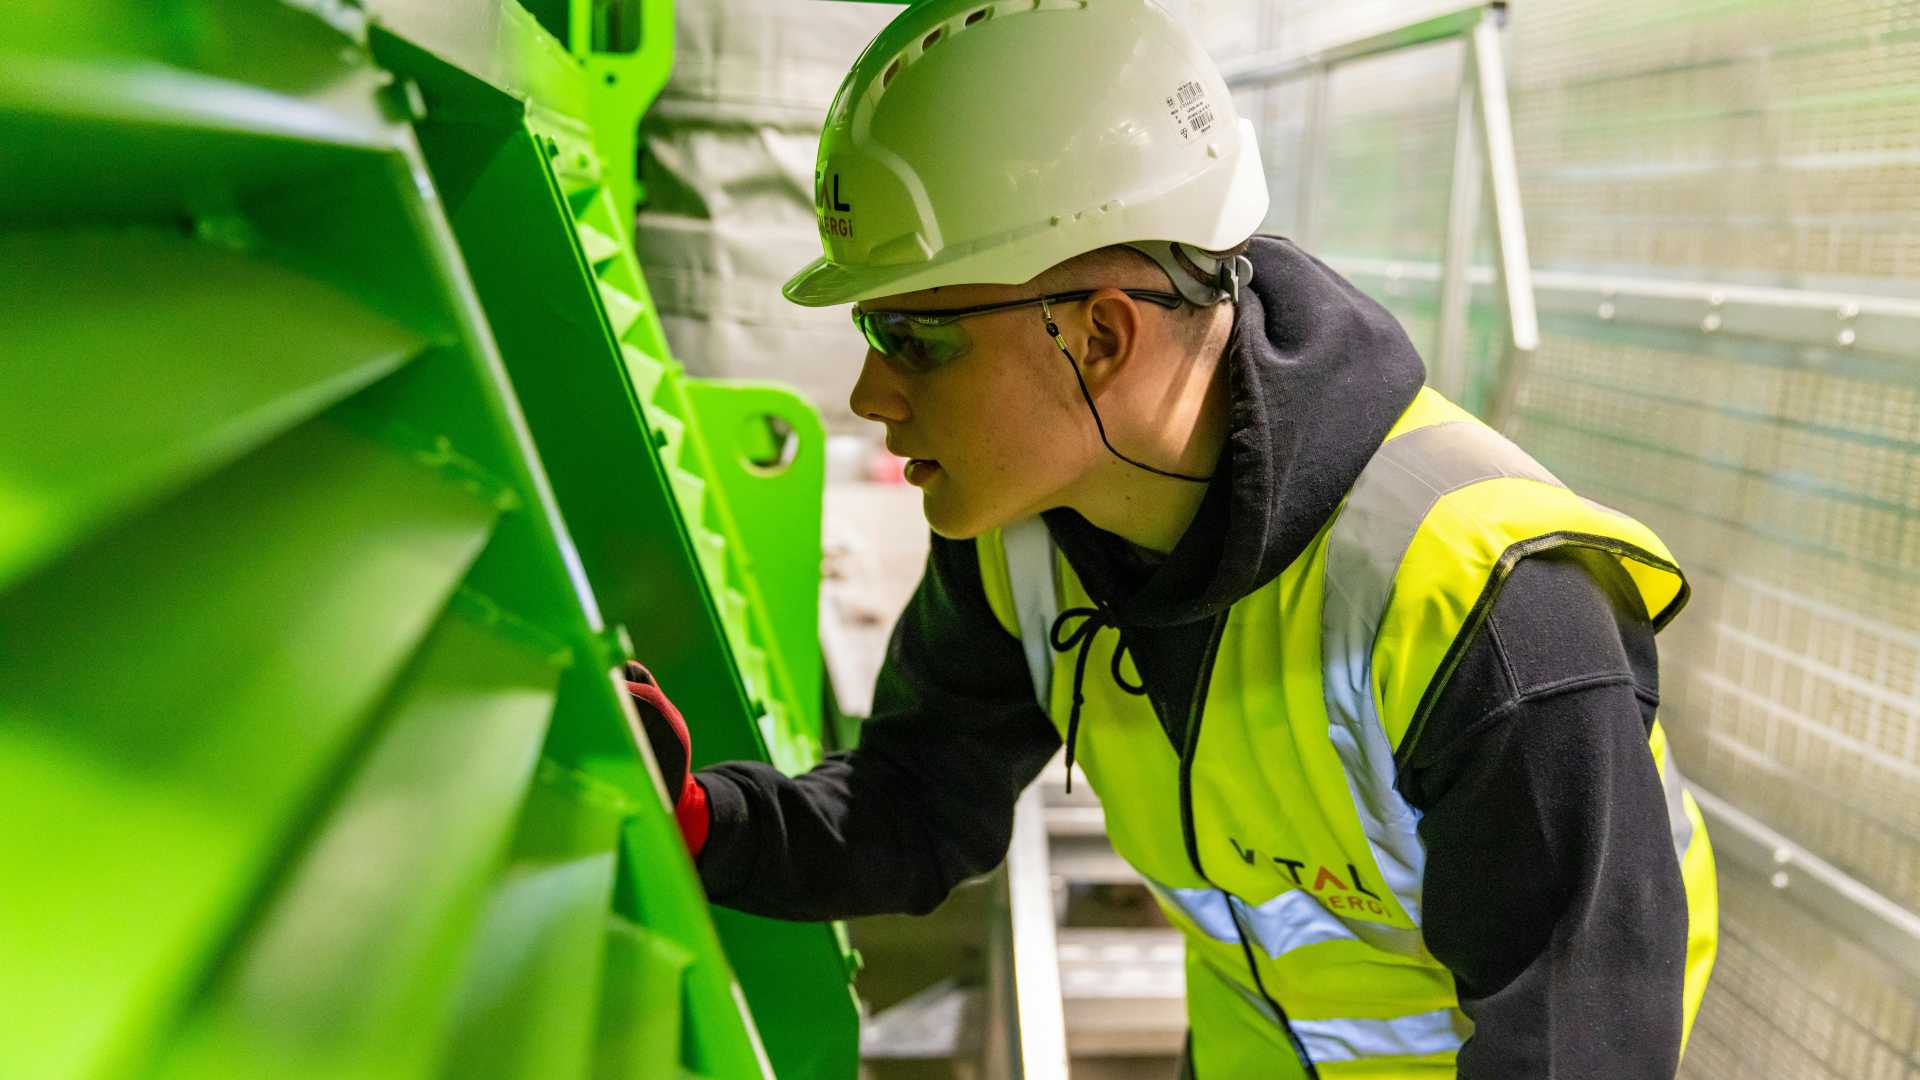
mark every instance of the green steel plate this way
{"type": "Point", "coordinates": [143, 785]}
{"type": "Point", "coordinates": [142, 326]}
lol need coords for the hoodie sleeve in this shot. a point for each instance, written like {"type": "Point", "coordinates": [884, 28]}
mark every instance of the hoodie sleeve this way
{"type": "Point", "coordinates": [924, 802]}
{"type": "Point", "coordinates": [1552, 889]}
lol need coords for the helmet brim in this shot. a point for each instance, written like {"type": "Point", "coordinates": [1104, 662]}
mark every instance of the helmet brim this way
{"type": "Point", "coordinates": [822, 284]}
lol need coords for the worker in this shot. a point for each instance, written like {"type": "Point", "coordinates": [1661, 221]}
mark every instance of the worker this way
{"type": "Point", "coordinates": [1367, 694]}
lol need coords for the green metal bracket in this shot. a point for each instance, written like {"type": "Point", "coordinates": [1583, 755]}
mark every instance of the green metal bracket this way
{"type": "Point", "coordinates": [769, 453]}
{"type": "Point", "coordinates": [338, 444]}
{"type": "Point", "coordinates": [628, 55]}
{"type": "Point", "coordinates": [603, 390]}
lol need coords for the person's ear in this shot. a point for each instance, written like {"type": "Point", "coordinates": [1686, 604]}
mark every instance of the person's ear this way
{"type": "Point", "coordinates": [1114, 325]}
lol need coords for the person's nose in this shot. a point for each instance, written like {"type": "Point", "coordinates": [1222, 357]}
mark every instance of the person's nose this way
{"type": "Point", "coordinates": [877, 394]}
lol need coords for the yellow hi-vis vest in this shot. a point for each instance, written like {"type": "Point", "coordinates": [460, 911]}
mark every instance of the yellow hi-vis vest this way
{"type": "Point", "coordinates": [1276, 841]}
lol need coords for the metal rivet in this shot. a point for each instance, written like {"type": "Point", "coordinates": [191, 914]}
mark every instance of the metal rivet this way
{"type": "Point", "coordinates": [1782, 855]}
{"type": "Point", "coordinates": [1606, 309]}
{"type": "Point", "coordinates": [1716, 299]}
{"type": "Point", "coordinates": [1846, 338]}
{"type": "Point", "coordinates": [1780, 879]}
{"type": "Point", "coordinates": [1710, 323]}
{"type": "Point", "coordinates": [1848, 311]}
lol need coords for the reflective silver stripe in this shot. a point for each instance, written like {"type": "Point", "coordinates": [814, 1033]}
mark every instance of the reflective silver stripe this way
{"type": "Point", "coordinates": [1290, 921]}
{"type": "Point", "coordinates": [1393, 939]}
{"type": "Point", "coordinates": [1441, 1031]}
{"type": "Point", "coordinates": [1029, 552]}
{"type": "Point", "coordinates": [1677, 820]}
{"type": "Point", "coordinates": [1438, 1032]}
{"type": "Point", "coordinates": [1206, 907]}
{"type": "Point", "coordinates": [1393, 495]}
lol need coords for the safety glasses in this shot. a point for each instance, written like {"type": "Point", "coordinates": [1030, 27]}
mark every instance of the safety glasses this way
{"type": "Point", "coordinates": [920, 341]}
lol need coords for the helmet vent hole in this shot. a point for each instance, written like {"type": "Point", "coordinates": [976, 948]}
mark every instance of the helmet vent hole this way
{"type": "Point", "coordinates": [892, 70]}
{"type": "Point", "coordinates": [930, 40]}
{"type": "Point", "coordinates": [978, 16]}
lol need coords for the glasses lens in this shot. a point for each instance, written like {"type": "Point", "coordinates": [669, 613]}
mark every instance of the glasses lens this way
{"type": "Point", "coordinates": [910, 344]}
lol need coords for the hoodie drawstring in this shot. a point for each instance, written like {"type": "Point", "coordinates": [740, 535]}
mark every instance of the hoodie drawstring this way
{"type": "Point", "coordinates": [1093, 620]}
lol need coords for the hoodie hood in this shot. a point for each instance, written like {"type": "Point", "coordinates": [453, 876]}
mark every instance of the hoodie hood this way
{"type": "Point", "coordinates": [1317, 374]}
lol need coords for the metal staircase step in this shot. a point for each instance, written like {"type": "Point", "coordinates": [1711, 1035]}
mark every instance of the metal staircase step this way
{"type": "Point", "coordinates": [1080, 851]}
{"type": "Point", "coordinates": [1077, 830]}
{"type": "Point", "coordinates": [1125, 991]}
{"type": "Point", "coordinates": [1104, 998]}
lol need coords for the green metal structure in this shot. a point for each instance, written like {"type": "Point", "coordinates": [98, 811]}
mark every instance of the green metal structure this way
{"type": "Point", "coordinates": [342, 464]}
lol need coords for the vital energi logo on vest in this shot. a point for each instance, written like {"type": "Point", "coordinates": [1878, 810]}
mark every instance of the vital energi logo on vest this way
{"type": "Point", "coordinates": [1326, 886]}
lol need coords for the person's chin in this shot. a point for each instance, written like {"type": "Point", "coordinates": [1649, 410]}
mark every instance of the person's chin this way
{"type": "Point", "coordinates": [945, 523]}
{"type": "Point", "coordinates": [947, 515]}
{"type": "Point", "coordinates": [951, 519]}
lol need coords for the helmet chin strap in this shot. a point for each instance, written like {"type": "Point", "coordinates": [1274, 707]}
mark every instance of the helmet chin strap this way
{"type": "Point", "coordinates": [1053, 331]}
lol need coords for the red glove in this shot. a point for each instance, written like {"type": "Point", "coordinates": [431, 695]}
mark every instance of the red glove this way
{"type": "Point", "coordinates": [673, 750]}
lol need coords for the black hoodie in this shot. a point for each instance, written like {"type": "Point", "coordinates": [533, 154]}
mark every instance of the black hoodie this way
{"type": "Point", "coordinates": [1552, 890]}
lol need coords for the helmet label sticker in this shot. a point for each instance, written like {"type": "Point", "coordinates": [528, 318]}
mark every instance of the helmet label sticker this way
{"type": "Point", "coordinates": [835, 214]}
{"type": "Point", "coordinates": [1189, 109]}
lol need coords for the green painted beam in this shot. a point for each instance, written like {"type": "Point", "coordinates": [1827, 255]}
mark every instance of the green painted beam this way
{"type": "Point", "coordinates": [142, 783]}
{"type": "Point", "coordinates": [528, 1002]}
{"type": "Point", "coordinates": [284, 392]}
{"type": "Point", "coordinates": [349, 967]}
{"type": "Point", "coordinates": [143, 325]}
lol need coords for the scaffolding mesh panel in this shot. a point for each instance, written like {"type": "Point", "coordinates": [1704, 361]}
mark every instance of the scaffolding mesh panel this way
{"type": "Point", "coordinates": [1727, 143]}
{"type": "Point", "coordinates": [1790, 684]}
{"type": "Point", "coordinates": [1791, 1000]}
{"type": "Point", "coordinates": [1389, 152]}
{"type": "Point", "coordinates": [1759, 140]}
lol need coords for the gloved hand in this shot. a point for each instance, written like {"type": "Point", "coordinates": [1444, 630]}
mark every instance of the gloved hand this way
{"type": "Point", "coordinates": [673, 750]}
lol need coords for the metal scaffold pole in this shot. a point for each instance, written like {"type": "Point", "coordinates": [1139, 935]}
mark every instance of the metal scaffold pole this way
{"type": "Point", "coordinates": [1510, 230]}
{"type": "Point", "coordinates": [1483, 153]}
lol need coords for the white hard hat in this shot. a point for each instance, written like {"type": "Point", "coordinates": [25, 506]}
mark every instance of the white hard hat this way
{"type": "Point", "coordinates": [983, 141]}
